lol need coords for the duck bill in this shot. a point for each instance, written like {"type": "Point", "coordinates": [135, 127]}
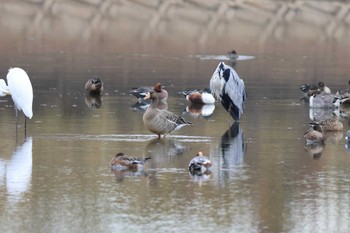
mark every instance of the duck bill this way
{"type": "Point", "coordinates": [148, 96]}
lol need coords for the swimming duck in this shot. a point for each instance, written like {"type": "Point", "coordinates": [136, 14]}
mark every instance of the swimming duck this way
{"type": "Point", "coordinates": [141, 92]}
{"type": "Point", "coordinates": [161, 122]}
{"type": "Point", "coordinates": [124, 162]}
{"type": "Point", "coordinates": [94, 86]}
{"type": "Point", "coordinates": [330, 124]}
{"type": "Point", "coordinates": [199, 164]}
{"type": "Point", "coordinates": [342, 100]}
{"type": "Point", "coordinates": [314, 135]}
{"type": "Point", "coordinates": [345, 92]}
{"type": "Point", "coordinates": [232, 55]}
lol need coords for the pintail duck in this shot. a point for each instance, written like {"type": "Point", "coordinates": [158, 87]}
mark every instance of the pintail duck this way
{"type": "Point", "coordinates": [141, 92]}
{"type": "Point", "coordinates": [124, 162]}
{"type": "Point", "coordinates": [200, 96]}
{"type": "Point", "coordinates": [314, 135]}
{"type": "Point", "coordinates": [161, 122]}
{"type": "Point", "coordinates": [94, 86]}
{"type": "Point", "coordinates": [330, 124]}
{"type": "Point", "coordinates": [199, 164]}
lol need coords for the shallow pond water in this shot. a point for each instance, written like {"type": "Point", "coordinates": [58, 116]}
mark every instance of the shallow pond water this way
{"type": "Point", "coordinates": [57, 178]}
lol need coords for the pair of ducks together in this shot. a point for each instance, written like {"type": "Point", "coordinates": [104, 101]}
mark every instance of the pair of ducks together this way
{"type": "Point", "coordinates": [198, 165]}
{"type": "Point", "coordinates": [315, 135]}
{"type": "Point", "coordinates": [163, 122]}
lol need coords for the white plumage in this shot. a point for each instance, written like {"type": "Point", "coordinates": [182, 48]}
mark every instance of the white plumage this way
{"type": "Point", "coordinates": [20, 89]}
{"type": "Point", "coordinates": [226, 86]}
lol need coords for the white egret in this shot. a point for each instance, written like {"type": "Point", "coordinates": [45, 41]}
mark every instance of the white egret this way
{"type": "Point", "coordinates": [226, 85]}
{"type": "Point", "coordinates": [20, 89]}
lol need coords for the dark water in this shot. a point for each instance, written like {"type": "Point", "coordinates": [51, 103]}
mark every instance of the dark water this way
{"type": "Point", "coordinates": [263, 178]}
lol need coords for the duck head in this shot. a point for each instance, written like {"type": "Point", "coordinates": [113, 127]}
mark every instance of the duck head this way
{"type": "Point", "coordinates": [158, 87]}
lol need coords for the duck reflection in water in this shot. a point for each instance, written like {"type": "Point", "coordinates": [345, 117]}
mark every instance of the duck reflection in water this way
{"type": "Point", "coordinates": [233, 147]}
{"type": "Point", "coordinates": [315, 150]}
{"type": "Point", "coordinates": [142, 105]}
{"type": "Point", "coordinates": [163, 149]}
{"type": "Point", "coordinates": [320, 114]}
{"type": "Point", "coordinates": [201, 110]}
{"type": "Point", "coordinates": [93, 101]}
{"type": "Point", "coordinates": [17, 172]}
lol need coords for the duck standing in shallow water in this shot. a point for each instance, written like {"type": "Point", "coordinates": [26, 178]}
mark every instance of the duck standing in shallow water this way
{"type": "Point", "coordinates": [161, 122]}
{"type": "Point", "coordinates": [226, 85]}
{"type": "Point", "coordinates": [94, 86]}
{"type": "Point", "coordinates": [124, 162]}
{"type": "Point", "coordinates": [199, 164]}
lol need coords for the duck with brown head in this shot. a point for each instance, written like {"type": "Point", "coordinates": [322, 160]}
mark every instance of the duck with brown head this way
{"type": "Point", "coordinates": [141, 92]}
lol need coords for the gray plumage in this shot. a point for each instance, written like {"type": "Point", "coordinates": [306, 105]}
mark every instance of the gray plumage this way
{"type": "Point", "coordinates": [226, 85]}
{"type": "Point", "coordinates": [161, 122]}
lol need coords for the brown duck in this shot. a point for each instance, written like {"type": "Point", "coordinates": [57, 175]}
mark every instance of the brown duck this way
{"type": "Point", "coordinates": [161, 122]}
{"type": "Point", "coordinates": [125, 162]}
{"type": "Point", "coordinates": [94, 86]}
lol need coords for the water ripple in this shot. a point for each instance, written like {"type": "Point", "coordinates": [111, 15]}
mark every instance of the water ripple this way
{"type": "Point", "coordinates": [121, 137]}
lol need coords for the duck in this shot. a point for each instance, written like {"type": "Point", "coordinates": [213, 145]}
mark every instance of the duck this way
{"type": "Point", "coordinates": [330, 124]}
{"type": "Point", "coordinates": [344, 92]}
{"type": "Point", "coordinates": [232, 55]}
{"type": "Point", "coordinates": [94, 86]}
{"type": "Point", "coordinates": [229, 89]}
{"type": "Point", "coordinates": [125, 162]}
{"type": "Point", "coordinates": [203, 96]}
{"type": "Point", "coordinates": [161, 122]}
{"type": "Point", "coordinates": [322, 100]}
{"type": "Point", "coordinates": [199, 164]}
{"type": "Point", "coordinates": [342, 100]}
{"type": "Point", "coordinates": [314, 135]}
{"type": "Point", "coordinates": [141, 92]}
{"type": "Point", "coordinates": [323, 88]}
{"type": "Point", "coordinates": [310, 89]}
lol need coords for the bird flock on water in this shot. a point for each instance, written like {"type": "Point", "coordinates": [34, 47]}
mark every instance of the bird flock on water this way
{"type": "Point", "coordinates": [225, 86]}
{"type": "Point", "coordinates": [324, 126]}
